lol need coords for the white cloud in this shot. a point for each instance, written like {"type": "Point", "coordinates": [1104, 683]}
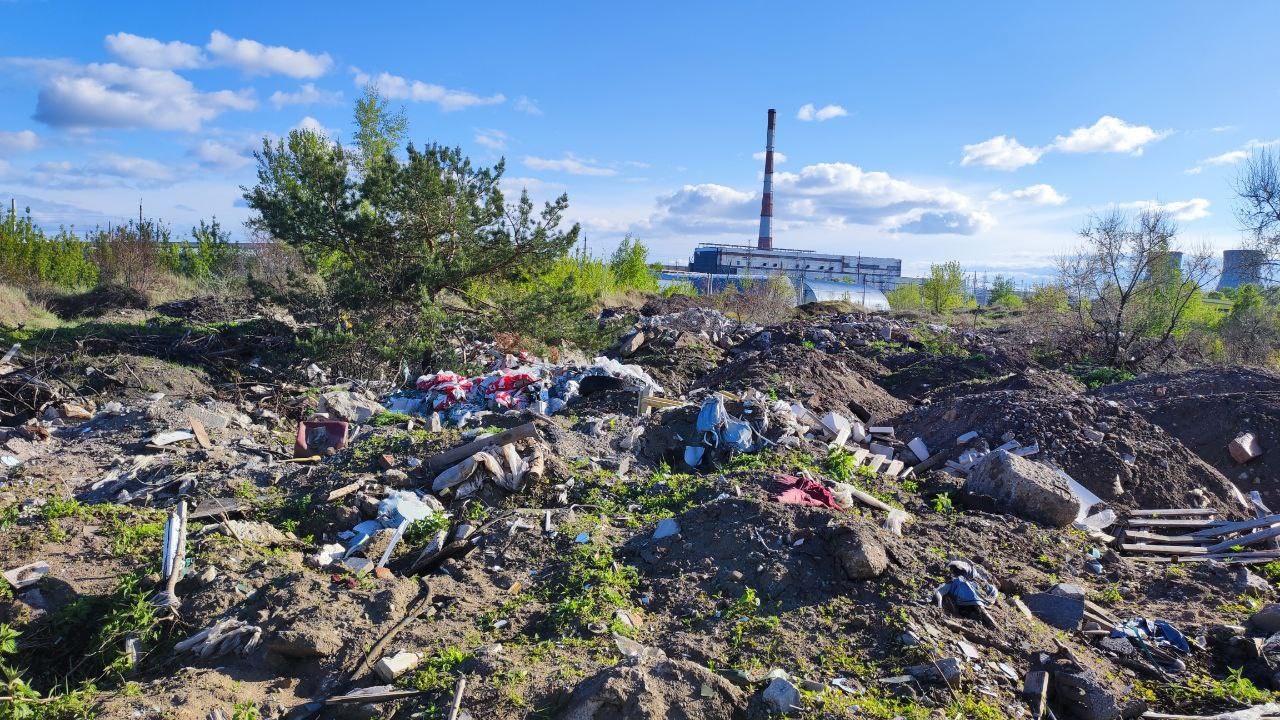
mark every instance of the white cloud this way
{"type": "Point", "coordinates": [528, 106]}
{"type": "Point", "coordinates": [308, 94]}
{"type": "Point", "coordinates": [221, 156]}
{"type": "Point", "coordinates": [808, 112]}
{"type": "Point", "coordinates": [778, 158]}
{"type": "Point", "coordinates": [114, 96]}
{"type": "Point", "coordinates": [102, 171]}
{"type": "Point", "coordinates": [831, 196]}
{"type": "Point", "coordinates": [1108, 134]}
{"type": "Point", "coordinates": [571, 164]}
{"type": "Point", "coordinates": [151, 53]}
{"type": "Point", "coordinates": [1180, 210]}
{"type": "Point", "coordinates": [313, 125]}
{"type": "Point", "coordinates": [1041, 194]}
{"type": "Point", "coordinates": [1233, 156]}
{"type": "Point", "coordinates": [19, 141]}
{"type": "Point", "coordinates": [493, 139]}
{"type": "Point", "coordinates": [399, 88]}
{"type": "Point", "coordinates": [1001, 153]}
{"type": "Point", "coordinates": [255, 58]}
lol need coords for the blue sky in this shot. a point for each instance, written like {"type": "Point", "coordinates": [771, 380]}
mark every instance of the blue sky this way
{"type": "Point", "coordinates": [926, 131]}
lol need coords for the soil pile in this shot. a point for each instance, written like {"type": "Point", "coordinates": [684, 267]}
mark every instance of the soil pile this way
{"type": "Point", "coordinates": [1113, 451]}
{"type": "Point", "coordinates": [824, 381]}
{"type": "Point", "coordinates": [1206, 409]}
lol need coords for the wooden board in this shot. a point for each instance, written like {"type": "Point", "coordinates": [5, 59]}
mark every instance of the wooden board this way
{"type": "Point", "coordinates": [1170, 512]}
{"type": "Point", "coordinates": [1245, 540]}
{"type": "Point", "coordinates": [452, 457]}
{"type": "Point", "coordinates": [1228, 528]}
{"type": "Point", "coordinates": [1160, 522]}
{"type": "Point", "coordinates": [1150, 537]}
{"type": "Point", "coordinates": [201, 432]}
{"type": "Point", "coordinates": [1164, 549]}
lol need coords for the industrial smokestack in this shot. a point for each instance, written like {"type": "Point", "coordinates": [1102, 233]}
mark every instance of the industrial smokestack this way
{"type": "Point", "coordinates": [766, 204]}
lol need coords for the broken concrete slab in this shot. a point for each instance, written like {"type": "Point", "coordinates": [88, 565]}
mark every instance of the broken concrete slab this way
{"type": "Point", "coordinates": [1064, 612]}
{"type": "Point", "coordinates": [349, 406]}
{"type": "Point", "coordinates": [1025, 488]}
{"type": "Point", "coordinates": [26, 575]}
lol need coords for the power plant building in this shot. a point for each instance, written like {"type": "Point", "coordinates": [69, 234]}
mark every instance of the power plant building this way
{"type": "Point", "coordinates": [763, 259]}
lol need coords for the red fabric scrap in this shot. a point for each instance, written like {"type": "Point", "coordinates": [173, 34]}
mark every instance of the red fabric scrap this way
{"type": "Point", "coordinates": [803, 491]}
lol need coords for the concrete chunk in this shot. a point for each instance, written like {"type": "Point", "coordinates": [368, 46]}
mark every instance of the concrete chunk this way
{"type": "Point", "coordinates": [1024, 488]}
{"type": "Point", "coordinates": [1244, 448]}
{"type": "Point", "coordinates": [393, 666]}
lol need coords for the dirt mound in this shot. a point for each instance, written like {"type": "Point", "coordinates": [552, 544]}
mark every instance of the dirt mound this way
{"type": "Point", "coordinates": [656, 690]}
{"type": "Point", "coordinates": [211, 308]}
{"type": "Point", "coordinates": [659, 305]}
{"type": "Point", "coordinates": [1206, 409]}
{"type": "Point", "coordinates": [98, 301]}
{"type": "Point", "coordinates": [678, 368]}
{"type": "Point", "coordinates": [1135, 464]}
{"type": "Point", "coordinates": [829, 382]}
{"type": "Point", "coordinates": [793, 555]}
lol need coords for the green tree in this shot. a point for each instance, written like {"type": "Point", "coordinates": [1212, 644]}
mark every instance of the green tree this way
{"type": "Point", "coordinates": [1004, 293]}
{"type": "Point", "coordinates": [1048, 299]}
{"type": "Point", "coordinates": [943, 290]}
{"type": "Point", "coordinates": [388, 234]}
{"type": "Point", "coordinates": [905, 297]}
{"type": "Point", "coordinates": [629, 266]}
{"type": "Point", "coordinates": [379, 130]}
{"type": "Point", "coordinates": [1251, 331]}
{"type": "Point", "coordinates": [1135, 305]}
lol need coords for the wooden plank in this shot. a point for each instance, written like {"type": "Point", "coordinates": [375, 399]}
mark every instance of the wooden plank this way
{"type": "Point", "coordinates": [1164, 549]}
{"type": "Point", "coordinates": [1229, 559]}
{"type": "Point", "coordinates": [1161, 522]}
{"type": "Point", "coordinates": [1227, 528]}
{"type": "Point", "coordinates": [452, 457]}
{"type": "Point", "coordinates": [201, 432]}
{"type": "Point", "coordinates": [1245, 540]}
{"type": "Point", "coordinates": [1168, 512]}
{"type": "Point", "coordinates": [1163, 539]}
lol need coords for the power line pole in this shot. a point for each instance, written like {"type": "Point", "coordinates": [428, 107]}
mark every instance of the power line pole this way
{"type": "Point", "coordinates": [13, 216]}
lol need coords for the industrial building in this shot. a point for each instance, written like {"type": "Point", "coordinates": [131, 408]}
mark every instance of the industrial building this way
{"type": "Point", "coordinates": [802, 266]}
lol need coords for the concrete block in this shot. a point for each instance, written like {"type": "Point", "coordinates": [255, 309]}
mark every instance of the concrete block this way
{"type": "Point", "coordinates": [393, 666]}
{"type": "Point", "coordinates": [1244, 448]}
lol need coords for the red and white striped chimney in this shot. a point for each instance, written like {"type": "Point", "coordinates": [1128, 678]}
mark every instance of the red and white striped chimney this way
{"type": "Point", "coordinates": [766, 204]}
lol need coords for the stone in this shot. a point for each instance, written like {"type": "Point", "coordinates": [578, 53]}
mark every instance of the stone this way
{"type": "Point", "coordinates": [1246, 583]}
{"type": "Point", "coordinates": [393, 666]}
{"type": "Point", "coordinates": [861, 555]}
{"type": "Point", "coordinates": [948, 670]}
{"type": "Point", "coordinates": [303, 645]}
{"type": "Point", "coordinates": [631, 344]}
{"type": "Point", "coordinates": [1024, 488]}
{"type": "Point", "coordinates": [1064, 612]}
{"type": "Point", "coordinates": [71, 411]}
{"type": "Point", "coordinates": [1093, 435]}
{"type": "Point", "coordinates": [395, 477]}
{"type": "Point", "coordinates": [1244, 448]}
{"type": "Point", "coordinates": [1267, 620]}
{"type": "Point", "coordinates": [327, 555]}
{"type": "Point", "coordinates": [358, 566]}
{"type": "Point", "coordinates": [649, 688]}
{"type": "Point", "coordinates": [666, 528]}
{"type": "Point", "coordinates": [349, 406]}
{"type": "Point", "coordinates": [781, 695]}
{"type": "Point", "coordinates": [211, 420]}
{"type": "Point", "coordinates": [1068, 590]}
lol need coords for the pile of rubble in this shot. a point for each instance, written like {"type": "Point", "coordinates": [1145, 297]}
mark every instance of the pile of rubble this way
{"type": "Point", "coordinates": [764, 536]}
